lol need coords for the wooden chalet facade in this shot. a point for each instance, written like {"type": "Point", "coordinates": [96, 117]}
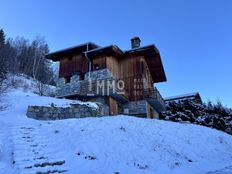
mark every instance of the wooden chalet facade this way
{"type": "Point", "coordinates": [133, 72]}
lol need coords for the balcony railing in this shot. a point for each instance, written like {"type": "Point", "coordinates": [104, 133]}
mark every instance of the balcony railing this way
{"type": "Point", "coordinates": [154, 97]}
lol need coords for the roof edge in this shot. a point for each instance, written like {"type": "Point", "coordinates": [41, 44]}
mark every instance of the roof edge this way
{"type": "Point", "coordinates": [70, 48]}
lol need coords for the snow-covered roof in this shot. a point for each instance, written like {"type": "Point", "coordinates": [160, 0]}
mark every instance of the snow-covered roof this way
{"type": "Point", "coordinates": [141, 48]}
{"type": "Point", "coordinates": [56, 54]}
{"type": "Point", "coordinates": [183, 96]}
{"type": "Point", "coordinates": [104, 50]}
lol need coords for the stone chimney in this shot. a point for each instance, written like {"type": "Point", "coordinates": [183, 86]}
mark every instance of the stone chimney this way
{"type": "Point", "coordinates": [135, 42]}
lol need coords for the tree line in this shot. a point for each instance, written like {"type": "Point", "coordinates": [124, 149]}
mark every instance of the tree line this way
{"type": "Point", "coordinates": [21, 56]}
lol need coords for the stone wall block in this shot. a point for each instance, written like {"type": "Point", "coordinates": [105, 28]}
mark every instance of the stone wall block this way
{"type": "Point", "coordinates": [55, 113]}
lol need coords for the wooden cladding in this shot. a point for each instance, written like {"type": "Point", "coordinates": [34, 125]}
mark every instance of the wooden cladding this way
{"type": "Point", "coordinates": [113, 106]}
{"type": "Point", "coordinates": [113, 65]}
{"type": "Point", "coordinates": [79, 65]}
{"type": "Point", "coordinates": [134, 87]}
{"type": "Point", "coordinates": [132, 70]}
{"type": "Point", "coordinates": [99, 63]}
{"type": "Point", "coordinates": [136, 76]}
{"type": "Point", "coordinates": [73, 65]}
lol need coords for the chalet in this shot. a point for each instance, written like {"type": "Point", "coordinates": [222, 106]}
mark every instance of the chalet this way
{"type": "Point", "coordinates": [121, 80]}
{"type": "Point", "coordinates": [195, 96]}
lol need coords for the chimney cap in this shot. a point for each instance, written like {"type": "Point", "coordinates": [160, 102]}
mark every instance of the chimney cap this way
{"type": "Point", "coordinates": [135, 38]}
{"type": "Point", "coordinates": [135, 42]}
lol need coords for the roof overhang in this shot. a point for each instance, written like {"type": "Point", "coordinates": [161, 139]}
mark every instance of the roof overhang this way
{"type": "Point", "coordinates": [153, 60]}
{"type": "Point", "coordinates": [195, 95]}
{"type": "Point", "coordinates": [57, 55]}
{"type": "Point", "coordinates": [111, 50]}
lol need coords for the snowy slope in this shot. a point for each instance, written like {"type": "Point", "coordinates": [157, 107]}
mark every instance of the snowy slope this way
{"type": "Point", "coordinates": [106, 145]}
{"type": "Point", "coordinates": [28, 84]}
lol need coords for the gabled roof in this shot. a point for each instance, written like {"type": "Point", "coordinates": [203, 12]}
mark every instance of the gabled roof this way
{"type": "Point", "coordinates": [90, 49]}
{"type": "Point", "coordinates": [57, 55]}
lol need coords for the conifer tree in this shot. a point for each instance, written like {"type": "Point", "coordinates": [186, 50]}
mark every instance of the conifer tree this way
{"type": "Point", "coordinates": [2, 38]}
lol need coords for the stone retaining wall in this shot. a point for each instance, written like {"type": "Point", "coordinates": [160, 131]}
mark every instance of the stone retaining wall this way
{"type": "Point", "coordinates": [135, 108]}
{"type": "Point", "coordinates": [56, 113]}
{"type": "Point", "coordinates": [102, 101]}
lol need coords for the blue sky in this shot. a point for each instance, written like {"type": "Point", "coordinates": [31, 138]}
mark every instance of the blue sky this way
{"type": "Point", "coordinates": [194, 37]}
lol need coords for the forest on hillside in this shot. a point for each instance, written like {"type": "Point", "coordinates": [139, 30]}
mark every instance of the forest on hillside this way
{"type": "Point", "coordinates": [21, 56]}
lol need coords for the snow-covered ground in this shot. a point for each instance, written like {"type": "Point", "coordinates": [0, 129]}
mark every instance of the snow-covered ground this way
{"type": "Point", "coordinates": [27, 84]}
{"type": "Point", "coordinates": [106, 145]}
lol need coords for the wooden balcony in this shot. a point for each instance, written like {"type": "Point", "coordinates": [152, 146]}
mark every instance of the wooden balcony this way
{"type": "Point", "coordinates": [155, 99]}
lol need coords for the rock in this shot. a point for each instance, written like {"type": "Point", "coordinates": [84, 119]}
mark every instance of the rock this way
{"type": "Point", "coordinates": [30, 109]}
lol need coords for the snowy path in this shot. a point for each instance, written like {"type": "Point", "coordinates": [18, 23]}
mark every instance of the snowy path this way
{"type": "Point", "coordinates": [33, 152]}
{"type": "Point", "coordinates": [6, 149]}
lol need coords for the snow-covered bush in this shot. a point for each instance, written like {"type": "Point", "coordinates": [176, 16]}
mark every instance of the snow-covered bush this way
{"type": "Point", "coordinates": [27, 84]}
{"type": "Point", "coordinates": [44, 89]}
{"type": "Point", "coordinates": [211, 115]}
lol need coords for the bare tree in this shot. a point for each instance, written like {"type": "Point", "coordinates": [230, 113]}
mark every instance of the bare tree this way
{"type": "Point", "coordinates": [40, 88]}
{"type": "Point", "coordinates": [30, 58]}
{"type": "Point", "coordinates": [43, 88]}
{"type": "Point", "coordinates": [20, 56]}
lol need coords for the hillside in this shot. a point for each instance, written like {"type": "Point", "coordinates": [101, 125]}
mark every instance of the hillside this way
{"type": "Point", "coordinates": [117, 145]}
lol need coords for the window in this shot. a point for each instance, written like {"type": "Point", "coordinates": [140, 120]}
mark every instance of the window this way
{"type": "Point", "coordinates": [82, 77]}
{"type": "Point", "coordinates": [142, 67]}
{"type": "Point", "coordinates": [126, 111]}
{"type": "Point", "coordinates": [151, 113]}
{"type": "Point", "coordinates": [96, 67]}
{"type": "Point", "coordinates": [67, 79]}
